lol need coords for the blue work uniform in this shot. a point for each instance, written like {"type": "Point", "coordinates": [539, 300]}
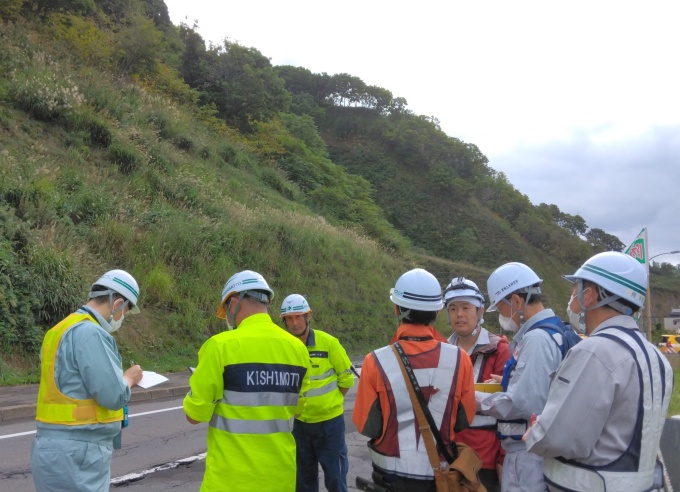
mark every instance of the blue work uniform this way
{"type": "Point", "coordinates": [78, 457]}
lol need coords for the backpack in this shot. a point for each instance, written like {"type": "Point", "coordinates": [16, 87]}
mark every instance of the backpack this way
{"type": "Point", "coordinates": [558, 330]}
{"type": "Point", "coordinates": [555, 326]}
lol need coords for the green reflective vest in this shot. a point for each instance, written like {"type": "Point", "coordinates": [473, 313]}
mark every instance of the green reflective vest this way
{"type": "Point", "coordinates": [248, 385]}
{"type": "Point", "coordinates": [330, 372]}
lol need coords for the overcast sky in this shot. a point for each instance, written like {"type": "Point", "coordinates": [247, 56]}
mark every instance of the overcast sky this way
{"type": "Point", "coordinates": [578, 103]}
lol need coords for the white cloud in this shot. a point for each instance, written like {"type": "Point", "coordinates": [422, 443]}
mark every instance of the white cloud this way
{"type": "Point", "coordinates": [577, 102]}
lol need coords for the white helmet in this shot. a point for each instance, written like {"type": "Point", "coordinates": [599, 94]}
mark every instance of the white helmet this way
{"type": "Point", "coordinates": [295, 304]}
{"type": "Point", "coordinates": [417, 289]}
{"type": "Point", "coordinates": [508, 279]}
{"type": "Point", "coordinates": [617, 273]}
{"type": "Point", "coordinates": [462, 289]}
{"type": "Point", "coordinates": [120, 282]}
{"type": "Point", "coordinates": [248, 282]}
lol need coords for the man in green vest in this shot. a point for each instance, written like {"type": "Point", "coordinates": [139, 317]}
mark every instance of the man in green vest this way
{"type": "Point", "coordinates": [248, 385]}
{"type": "Point", "coordinates": [320, 430]}
{"type": "Point", "coordinates": [83, 390]}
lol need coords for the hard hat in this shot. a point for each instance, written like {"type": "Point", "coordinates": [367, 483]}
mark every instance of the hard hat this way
{"type": "Point", "coordinates": [508, 279]}
{"type": "Point", "coordinates": [245, 281]}
{"type": "Point", "coordinates": [417, 289]}
{"type": "Point", "coordinates": [121, 282]}
{"type": "Point", "coordinates": [617, 273]}
{"type": "Point", "coordinates": [295, 304]}
{"type": "Point", "coordinates": [459, 288]}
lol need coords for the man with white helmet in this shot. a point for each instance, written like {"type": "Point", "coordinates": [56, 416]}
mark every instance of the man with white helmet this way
{"type": "Point", "coordinates": [514, 290]}
{"type": "Point", "coordinates": [248, 385]}
{"type": "Point", "coordinates": [601, 425]}
{"type": "Point", "coordinates": [320, 430]}
{"type": "Point", "coordinates": [489, 353]}
{"type": "Point", "coordinates": [83, 390]}
{"type": "Point", "coordinates": [383, 410]}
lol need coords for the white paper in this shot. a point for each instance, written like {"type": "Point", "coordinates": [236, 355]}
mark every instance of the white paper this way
{"type": "Point", "coordinates": [150, 379]}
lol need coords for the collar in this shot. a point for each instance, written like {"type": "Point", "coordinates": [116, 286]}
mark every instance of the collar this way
{"type": "Point", "coordinates": [482, 340]}
{"type": "Point", "coordinates": [409, 330]}
{"type": "Point", "coordinates": [98, 317]}
{"type": "Point", "coordinates": [622, 320]}
{"type": "Point", "coordinates": [253, 319]}
{"type": "Point", "coordinates": [311, 340]}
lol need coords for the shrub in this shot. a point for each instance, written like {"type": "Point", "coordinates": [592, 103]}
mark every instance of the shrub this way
{"type": "Point", "coordinates": [82, 35]}
{"type": "Point", "coordinates": [183, 142]}
{"type": "Point", "coordinates": [158, 160]}
{"type": "Point", "coordinates": [18, 303]}
{"type": "Point", "coordinates": [9, 9]}
{"type": "Point", "coordinates": [96, 127]}
{"type": "Point", "coordinates": [56, 282]}
{"type": "Point", "coordinates": [275, 180]}
{"type": "Point", "coordinates": [87, 206]}
{"type": "Point", "coordinates": [159, 286]}
{"type": "Point", "coordinates": [227, 153]}
{"type": "Point", "coordinates": [43, 92]}
{"type": "Point", "coordinates": [125, 156]}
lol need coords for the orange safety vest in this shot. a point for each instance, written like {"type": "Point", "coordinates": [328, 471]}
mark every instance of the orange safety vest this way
{"type": "Point", "coordinates": [53, 406]}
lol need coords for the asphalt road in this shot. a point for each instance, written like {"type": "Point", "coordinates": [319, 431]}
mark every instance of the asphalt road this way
{"type": "Point", "coordinates": [161, 450]}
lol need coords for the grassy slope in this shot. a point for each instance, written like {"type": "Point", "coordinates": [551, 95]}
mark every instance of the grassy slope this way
{"type": "Point", "coordinates": [178, 200]}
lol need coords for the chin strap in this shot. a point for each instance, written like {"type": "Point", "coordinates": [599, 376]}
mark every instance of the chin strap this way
{"type": "Point", "coordinates": [472, 334]}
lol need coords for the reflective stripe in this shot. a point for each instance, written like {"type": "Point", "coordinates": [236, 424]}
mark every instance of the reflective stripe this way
{"type": "Point", "coordinates": [329, 371]}
{"type": "Point", "coordinates": [483, 421]}
{"type": "Point", "coordinates": [514, 429]}
{"type": "Point", "coordinates": [260, 399]}
{"type": "Point", "coordinates": [478, 366]}
{"type": "Point", "coordinates": [236, 426]}
{"type": "Point", "coordinates": [325, 375]}
{"type": "Point", "coordinates": [412, 460]}
{"type": "Point", "coordinates": [569, 474]}
{"type": "Point", "coordinates": [323, 390]}
{"type": "Point", "coordinates": [53, 406]}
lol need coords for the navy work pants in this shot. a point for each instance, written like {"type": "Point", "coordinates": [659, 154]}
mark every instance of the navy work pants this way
{"type": "Point", "coordinates": [321, 443]}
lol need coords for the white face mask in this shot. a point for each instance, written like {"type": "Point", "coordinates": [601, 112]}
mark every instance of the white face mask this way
{"type": "Point", "coordinates": [507, 324]}
{"type": "Point", "coordinates": [115, 325]}
{"type": "Point", "coordinates": [575, 319]}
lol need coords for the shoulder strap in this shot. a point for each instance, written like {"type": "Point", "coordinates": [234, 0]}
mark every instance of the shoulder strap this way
{"type": "Point", "coordinates": [555, 325]}
{"type": "Point", "coordinates": [426, 423]}
{"type": "Point", "coordinates": [552, 323]}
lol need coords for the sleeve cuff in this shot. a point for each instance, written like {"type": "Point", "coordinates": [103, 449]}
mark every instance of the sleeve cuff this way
{"type": "Point", "coordinates": [198, 410]}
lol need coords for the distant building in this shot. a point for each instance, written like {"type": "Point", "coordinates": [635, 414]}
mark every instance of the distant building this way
{"type": "Point", "coordinates": [672, 321]}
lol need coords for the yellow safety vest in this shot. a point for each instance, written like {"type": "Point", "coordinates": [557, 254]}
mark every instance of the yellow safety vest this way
{"type": "Point", "coordinates": [330, 371]}
{"type": "Point", "coordinates": [247, 385]}
{"type": "Point", "coordinates": [53, 406]}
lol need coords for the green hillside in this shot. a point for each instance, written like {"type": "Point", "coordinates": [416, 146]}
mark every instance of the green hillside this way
{"type": "Point", "coordinates": [126, 142]}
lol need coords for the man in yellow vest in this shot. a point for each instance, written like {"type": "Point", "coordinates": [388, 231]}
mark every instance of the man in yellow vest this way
{"type": "Point", "coordinates": [320, 431]}
{"type": "Point", "coordinates": [248, 385]}
{"type": "Point", "coordinates": [83, 391]}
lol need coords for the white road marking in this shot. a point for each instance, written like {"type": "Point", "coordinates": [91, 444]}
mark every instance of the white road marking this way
{"type": "Point", "coordinates": [153, 411]}
{"type": "Point", "coordinates": [140, 414]}
{"type": "Point", "coordinates": [133, 477]}
{"type": "Point", "coordinates": [7, 436]}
